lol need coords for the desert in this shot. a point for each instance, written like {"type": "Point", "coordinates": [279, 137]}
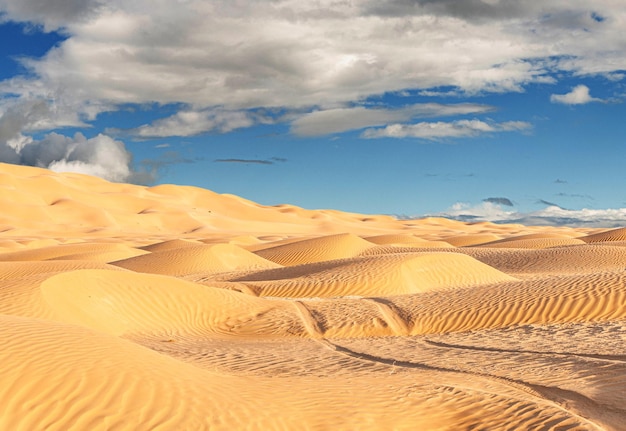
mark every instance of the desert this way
{"type": "Point", "coordinates": [127, 307]}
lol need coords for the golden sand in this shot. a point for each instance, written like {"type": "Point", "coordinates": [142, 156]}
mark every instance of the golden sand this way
{"type": "Point", "coordinates": [175, 308]}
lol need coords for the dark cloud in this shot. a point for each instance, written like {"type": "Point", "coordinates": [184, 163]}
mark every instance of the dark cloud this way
{"type": "Point", "coordinates": [450, 177]}
{"type": "Point", "coordinates": [20, 116]}
{"type": "Point", "coordinates": [550, 204]}
{"type": "Point", "coordinates": [499, 201]}
{"type": "Point", "coordinates": [575, 195]}
{"type": "Point", "coordinates": [245, 161]}
{"type": "Point", "coordinates": [169, 158]}
{"type": "Point", "coordinates": [150, 170]}
{"type": "Point", "coordinates": [52, 14]}
{"type": "Point", "coordinates": [270, 161]}
{"type": "Point", "coordinates": [546, 16]}
{"type": "Point", "coordinates": [471, 10]}
{"type": "Point", "coordinates": [467, 218]}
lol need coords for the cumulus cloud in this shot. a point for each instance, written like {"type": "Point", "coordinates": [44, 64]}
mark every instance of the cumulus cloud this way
{"type": "Point", "coordinates": [101, 155]}
{"type": "Point", "coordinates": [548, 216]}
{"type": "Point", "coordinates": [342, 119]}
{"type": "Point", "coordinates": [440, 129]}
{"type": "Point", "coordinates": [578, 96]}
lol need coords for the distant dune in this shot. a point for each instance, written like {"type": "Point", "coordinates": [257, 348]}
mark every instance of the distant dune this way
{"type": "Point", "coordinates": [175, 308]}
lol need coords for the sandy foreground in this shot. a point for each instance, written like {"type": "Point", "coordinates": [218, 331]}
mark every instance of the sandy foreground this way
{"type": "Point", "coordinates": [174, 308]}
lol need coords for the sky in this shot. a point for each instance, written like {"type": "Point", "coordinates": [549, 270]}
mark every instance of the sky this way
{"type": "Point", "coordinates": [498, 110]}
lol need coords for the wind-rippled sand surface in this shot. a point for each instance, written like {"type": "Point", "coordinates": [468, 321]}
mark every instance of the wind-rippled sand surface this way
{"type": "Point", "coordinates": [174, 308]}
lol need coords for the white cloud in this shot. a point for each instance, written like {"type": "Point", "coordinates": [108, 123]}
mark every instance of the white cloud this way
{"type": "Point", "coordinates": [550, 215]}
{"type": "Point", "coordinates": [441, 129]}
{"type": "Point", "coordinates": [342, 119]}
{"type": "Point", "coordinates": [101, 155]}
{"type": "Point", "coordinates": [289, 53]}
{"type": "Point", "coordinates": [486, 211]}
{"type": "Point", "coordinates": [578, 96]}
{"type": "Point", "coordinates": [189, 123]}
{"type": "Point", "coordinates": [222, 59]}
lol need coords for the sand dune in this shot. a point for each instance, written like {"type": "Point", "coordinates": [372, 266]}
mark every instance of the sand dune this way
{"type": "Point", "coordinates": [172, 244]}
{"type": "Point", "coordinates": [193, 259]}
{"type": "Point", "coordinates": [573, 259]}
{"type": "Point", "coordinates": [20, 293]}
{"type": "Point", "coordinates": [372, 276]}
{"type": "Point", "coordinates": [533, 243]}
{"type": "Point", "coordinates": [316, 249]}
{"type": "Point", "coordinates": [274, 241]}
{"type": "Point", "coordinates": [176, 308]}
{"type": "Point", "coordinates": [119, 302]}
{"type": "Point", "coordinates": [103, 252]}
{"type": "Point", "coordinates": [66, 377]}
{"type": "Point", "coordinates": [472, 239]}
{"type": "Point", "coordinates": [607, 236]}
{"type": "Point", "coordinates": [16, 270]}
{"type": "Point", "coordinates": [579, 298]}
{"type": "Point", "coordinates": [534, 262]}
{"type": "Point", "coordinates": [115, 384]}
{"type": "Point", "coordinates": [406, 240]}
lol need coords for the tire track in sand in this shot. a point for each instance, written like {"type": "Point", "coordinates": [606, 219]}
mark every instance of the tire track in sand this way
{"type": "Point", "coordinates": [311, 325]}
{"type": "Point", "coordinates": [586, 410]}
{"type": "Point", "coordinates": [620, 359]}
{"type": "Point", "coordinates": [390, 315]}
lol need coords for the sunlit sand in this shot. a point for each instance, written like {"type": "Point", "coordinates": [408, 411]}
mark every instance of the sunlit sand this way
{"type": "Point", "coordinates": [175, 308]}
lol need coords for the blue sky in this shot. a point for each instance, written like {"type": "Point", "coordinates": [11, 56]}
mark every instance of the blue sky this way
{"type": "Point", "coordinates": [495, 110]}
